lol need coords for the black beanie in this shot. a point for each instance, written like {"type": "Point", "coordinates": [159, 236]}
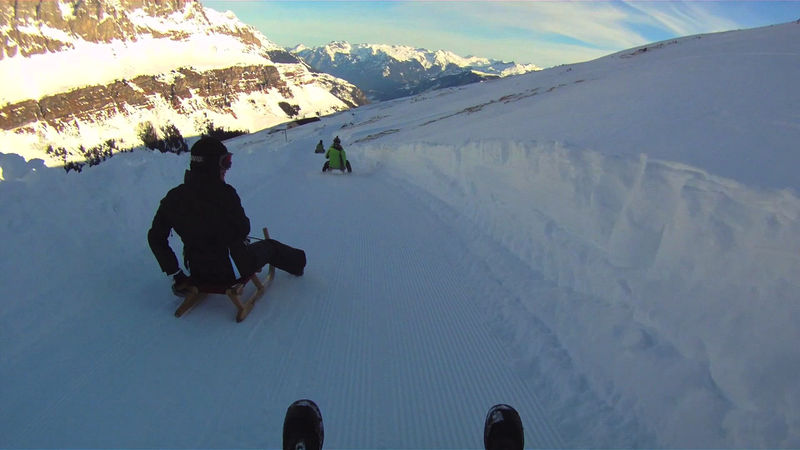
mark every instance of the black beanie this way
{"type": "Point", "coordinates": [206, 153]}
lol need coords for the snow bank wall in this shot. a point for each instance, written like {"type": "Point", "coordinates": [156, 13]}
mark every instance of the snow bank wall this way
{"type": "Point", "coordinates": [691, 280]}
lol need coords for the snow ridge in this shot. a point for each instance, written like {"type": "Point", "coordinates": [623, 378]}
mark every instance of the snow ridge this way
{"type": "Point", "coordinates": [428, 59]}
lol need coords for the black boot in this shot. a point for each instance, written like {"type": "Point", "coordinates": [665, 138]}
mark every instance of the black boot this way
{"type": "Point", "coordinates": [302, 427]}
{"type": "Point", "coordinates": [503, 429]}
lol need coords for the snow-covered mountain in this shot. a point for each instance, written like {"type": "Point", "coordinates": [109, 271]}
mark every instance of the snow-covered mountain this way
{"type": "Point", "coordinates": [386, 72]}
{"type": "Point", "coordinates": [76, 74]}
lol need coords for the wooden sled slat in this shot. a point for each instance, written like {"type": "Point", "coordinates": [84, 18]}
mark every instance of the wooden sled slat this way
{"type": "Point", "coordinates": [234, 293]}
{"type": "Point", "coordinates": [193, 298]}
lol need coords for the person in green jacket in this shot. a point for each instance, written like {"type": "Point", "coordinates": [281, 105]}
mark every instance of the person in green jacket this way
{"type": "Point", "coordinates": [337, 158]}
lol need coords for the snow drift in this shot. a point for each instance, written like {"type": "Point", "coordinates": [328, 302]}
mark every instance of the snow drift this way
{"type": "Point", "coordinates": [688, 278]}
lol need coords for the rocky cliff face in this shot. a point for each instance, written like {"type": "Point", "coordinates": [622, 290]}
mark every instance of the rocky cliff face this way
{"type": "Point", "coordinates": [91, 21]}
{"type": "Point", "coordinates": [216, 89]}
{"type": "Point", "coordinates": [95, 21]}
{"type": "Point", "coordinates": [78, 72]}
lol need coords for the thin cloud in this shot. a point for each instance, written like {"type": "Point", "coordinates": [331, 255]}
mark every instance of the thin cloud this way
{"type": "Point", "coordinates": [682, 18]}
{"type": "Point", "coordinates": [578, 31]}
{"type": "Point", "coordinates": [602, 24]}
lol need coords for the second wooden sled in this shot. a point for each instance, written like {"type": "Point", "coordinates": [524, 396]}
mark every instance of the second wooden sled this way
{"type": "Point", "coordinates": [234, 292]}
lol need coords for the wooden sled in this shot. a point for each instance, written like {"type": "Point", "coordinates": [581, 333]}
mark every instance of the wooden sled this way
{"type": "Point", "coordinates": [234, 292]}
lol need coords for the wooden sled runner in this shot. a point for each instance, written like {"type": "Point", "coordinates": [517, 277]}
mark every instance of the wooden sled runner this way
{"type": "Point", "coordinates": [234, 292]}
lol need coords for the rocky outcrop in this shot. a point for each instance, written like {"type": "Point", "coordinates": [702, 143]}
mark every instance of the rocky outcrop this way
{"type": "Point", "coordinates": [218, 89]}
{"type": "Point", "coordinates": [90, 20]}
{"type": "Point", "coordinates": [93, 21]}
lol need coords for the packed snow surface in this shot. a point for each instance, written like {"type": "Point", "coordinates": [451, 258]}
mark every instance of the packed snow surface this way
{"type": "Point", "coordinates": [612, 247]}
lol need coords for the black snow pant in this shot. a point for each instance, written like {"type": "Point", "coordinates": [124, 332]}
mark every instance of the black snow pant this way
{"type": "Point", "coordinates": [260, 253]}
{"type": "Point", "coordinates": [327, 167]}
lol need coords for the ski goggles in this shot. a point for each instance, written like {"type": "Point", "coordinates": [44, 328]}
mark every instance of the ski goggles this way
{"type": "Point", "coordinates": [225, 161]}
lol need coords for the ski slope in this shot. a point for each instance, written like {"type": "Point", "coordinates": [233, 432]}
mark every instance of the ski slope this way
{"type": "Point", "coordinates": [500, 242]}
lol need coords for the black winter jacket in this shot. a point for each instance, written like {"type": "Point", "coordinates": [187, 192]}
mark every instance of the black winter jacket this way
{"type": "Point", "coordinates": [208, 216]}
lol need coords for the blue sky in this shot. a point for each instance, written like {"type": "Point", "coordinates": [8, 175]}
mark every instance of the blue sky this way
{"type": "Point", "coordinates": [545, 33]}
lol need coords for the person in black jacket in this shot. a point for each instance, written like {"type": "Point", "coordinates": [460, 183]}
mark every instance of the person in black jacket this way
{"type": "Point", "coordinates": [208, 216]}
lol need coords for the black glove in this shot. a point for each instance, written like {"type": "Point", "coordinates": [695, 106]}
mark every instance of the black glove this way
{"type": "Point", "coordinates": [181, 285]}
{"type": "Point", "coordinates": [180, 277]}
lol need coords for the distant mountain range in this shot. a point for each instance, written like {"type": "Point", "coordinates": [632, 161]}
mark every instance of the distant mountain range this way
{"type": "Point", "coordinates": [385, 72]}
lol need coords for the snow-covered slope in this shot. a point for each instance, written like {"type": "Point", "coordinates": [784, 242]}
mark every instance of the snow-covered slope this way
{"type": "Point", "coordinates": [612, 247]}
{"type": "Point", "coordinates": [386, 72]}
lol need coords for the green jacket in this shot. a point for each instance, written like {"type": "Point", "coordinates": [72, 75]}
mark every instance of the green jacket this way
{"type": "Point", "coordinates": [337, 158]}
